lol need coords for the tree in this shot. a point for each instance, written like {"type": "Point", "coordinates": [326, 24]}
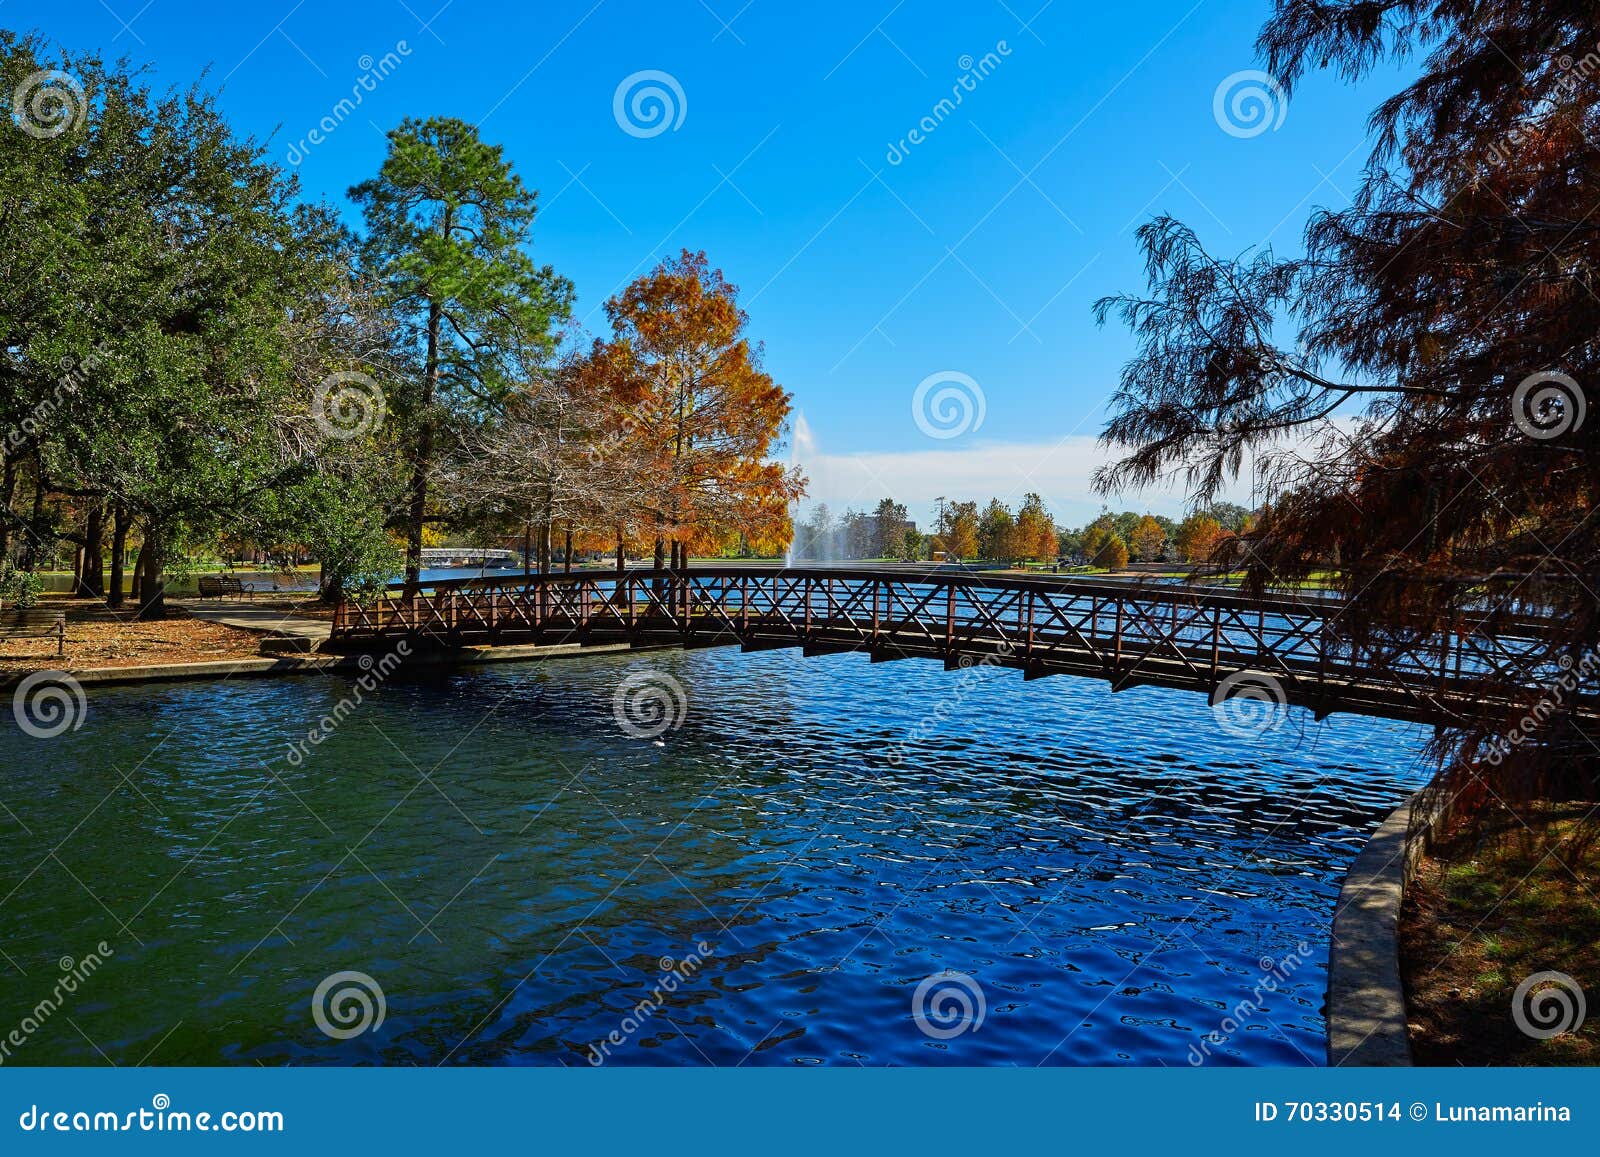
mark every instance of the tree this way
{"type": "Point", "coordinates": [816, 538]}
{"type": "Point", "coordinates": [558, 451]}
{"type": "Point", "coordinates": [889, 523]}
{"type": "Point", "coordinates": [1148, 540]}
{"type": "Point", "coordinates": [957, 533]}
{"type": "Point", "coordinates": [1036, 533]}
{"type": "Point", "coordinates": [1448, 314]}
{"type": "Point", "coordinates": [1095, 536]}
{"type": "Point", "coordinates": [1197, 537]}
{"type": "Point", "coordinates": [996, 533]}
{"type": "Point", "coordinates": [185, 313]}
{"type": "Point", "coordinates": [1230, 516]}
{"type": "Point", "coordinates": [702, 402]}
{"type": "Point", "coordinates": [859, 532]}
{"type": "Point", "coordinates": [1112, 553]}
{"type": "Point", "coordinates": [447, 222]}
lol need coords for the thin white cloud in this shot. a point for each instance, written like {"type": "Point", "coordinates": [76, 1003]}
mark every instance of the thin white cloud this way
{"type": "Point", "coordinates": [1061, 472]}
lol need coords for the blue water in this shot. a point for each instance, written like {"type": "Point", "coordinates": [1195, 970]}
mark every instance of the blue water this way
{"type": "Point", "coordinates": [814, 841]}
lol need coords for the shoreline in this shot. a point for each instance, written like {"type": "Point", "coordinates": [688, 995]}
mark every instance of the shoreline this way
{"type": "Point", "coordinates": [272, 667]}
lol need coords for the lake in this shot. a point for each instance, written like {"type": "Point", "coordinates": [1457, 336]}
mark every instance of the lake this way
{"type": "Point", "coordinates": [824, 862]}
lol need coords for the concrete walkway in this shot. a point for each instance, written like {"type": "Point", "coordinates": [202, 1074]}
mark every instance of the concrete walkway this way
{"type": "Point", "coordinates": [244, 617]}
{"type": "Point", "coordinates": [291, 664]}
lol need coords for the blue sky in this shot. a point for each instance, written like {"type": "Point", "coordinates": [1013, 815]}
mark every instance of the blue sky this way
{"type": "Point", "coordinates": [975, 251]}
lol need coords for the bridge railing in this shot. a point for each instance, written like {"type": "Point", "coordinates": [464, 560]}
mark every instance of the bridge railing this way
{"type": "Point", "coordinates": [1126, 632]}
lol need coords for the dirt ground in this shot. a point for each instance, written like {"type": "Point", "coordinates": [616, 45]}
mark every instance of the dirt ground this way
{"type": "Point", "coordinates": [1486, 913]}
{"type": "Point", "coordinates": [97, 638]}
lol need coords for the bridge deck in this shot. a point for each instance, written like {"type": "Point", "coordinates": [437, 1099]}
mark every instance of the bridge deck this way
{"type": "Point", "coordinates": [1130, 634]}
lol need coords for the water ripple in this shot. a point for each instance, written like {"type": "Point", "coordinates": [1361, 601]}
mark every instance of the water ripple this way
{"type": "Point", "coordinates": [1113, 874]}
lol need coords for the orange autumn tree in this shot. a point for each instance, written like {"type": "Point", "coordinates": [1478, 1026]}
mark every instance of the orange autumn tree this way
{"type": "Point", "coordinates": [702, 410]}
{"type": "Point", "coordinates": [1198, 536]}
{"type": "Point", "coordinates": [1148, 540]}
{"type": "Point", "coordinates": [1036, 532]}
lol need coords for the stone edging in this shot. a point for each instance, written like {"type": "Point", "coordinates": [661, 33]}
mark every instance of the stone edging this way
{"type": "Point", "coordinates": [1366, 998]}
{"type": "Point", "coordinates": [322, 665]}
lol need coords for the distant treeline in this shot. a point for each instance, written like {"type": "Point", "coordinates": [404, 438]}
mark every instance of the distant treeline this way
{"type": "Point", "coordinates": [996, 533]}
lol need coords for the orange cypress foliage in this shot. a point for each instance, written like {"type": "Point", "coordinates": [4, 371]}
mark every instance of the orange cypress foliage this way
{"type": "Point", "coordinates": [701, 410]}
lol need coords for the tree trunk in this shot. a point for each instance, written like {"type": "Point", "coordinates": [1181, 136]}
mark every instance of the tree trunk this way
{"type": "Point", "coordinates": [140, 566]}
{"type": "Point", "coordinates": [424, 454]}
{"type": "Point", "coordinates": [8, 490]}
{"type": "Point", "coordinates": [29, 559]}
{"type": "Point", "coordinates": [330, 586]}
{"type": "Point", "coordinates": [566, 558]}
{"type": "Point", "coordinates": [622, 557]}
{"type": "Point", "coordinates": [153, 591]}
{"type": "Point", "coordinates": [119, 551]}
{"type": "Point", "coordinates": [92, 579]}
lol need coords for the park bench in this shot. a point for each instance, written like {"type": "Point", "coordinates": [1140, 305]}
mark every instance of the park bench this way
{"type": "Point", "coordinates": [217, 586]}
{"type": "Point", "coordinates": [35, 623]}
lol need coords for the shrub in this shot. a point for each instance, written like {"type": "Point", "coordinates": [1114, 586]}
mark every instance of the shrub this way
{"type": "Point", "coordinates": [20, 589]}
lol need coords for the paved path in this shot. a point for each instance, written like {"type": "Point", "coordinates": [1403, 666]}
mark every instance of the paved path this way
{"type": "Point", "coordinates": [245, 617]}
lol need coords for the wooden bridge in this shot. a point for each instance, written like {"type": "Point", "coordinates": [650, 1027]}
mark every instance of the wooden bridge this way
{"type": "Point", "coordinates": [1204, 639]}
{"type": "Point", "coordinates": [446, 556]}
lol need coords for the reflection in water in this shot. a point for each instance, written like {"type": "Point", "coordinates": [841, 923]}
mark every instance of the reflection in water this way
{"type": "Point", "coordinates": [517, 872]}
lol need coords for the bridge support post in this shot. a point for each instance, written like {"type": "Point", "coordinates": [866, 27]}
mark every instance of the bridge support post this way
{"type": "Point", "coordinates": [950, 620]}
{"type": "Point", "coordinates": [1027, 651]}
{"type": "Point", "coordinates": [1216, 639]}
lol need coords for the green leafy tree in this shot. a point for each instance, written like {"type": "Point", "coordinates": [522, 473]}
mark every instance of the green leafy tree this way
{"type": "Point", "coordinates": [448, 222]}
{"type": "Point", "coordinates": [996, 532]}
{"type": "Point", "coordinates": [188, 318]}
{"type": "Point", "coordinates": [889, 523]}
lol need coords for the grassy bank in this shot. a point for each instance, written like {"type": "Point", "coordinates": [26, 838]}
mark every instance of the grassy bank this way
{"type": "Point", "coordinates": [1486, 912]}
